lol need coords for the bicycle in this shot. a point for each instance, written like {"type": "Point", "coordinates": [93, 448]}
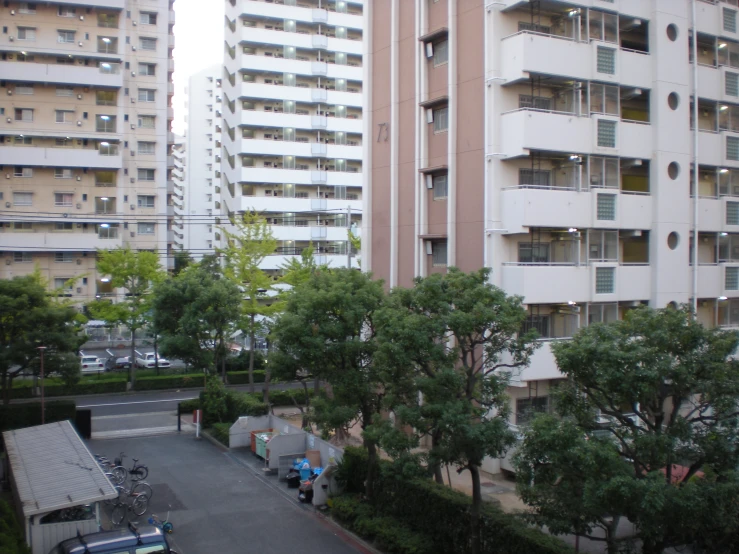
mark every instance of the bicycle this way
{"type": "Point", "coordinates": [138, 472]}
{"type": "Point", "coordinates": [165, 525]}
{"type": "Point", "coordinates": [142, 487]}
{"type": "Point", "coordinates": [139, 505]}
{"type": "Point", "coordinates": [116, 473]}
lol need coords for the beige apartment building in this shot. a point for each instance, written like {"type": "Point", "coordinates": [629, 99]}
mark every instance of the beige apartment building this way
{"type": "Point", "coordinates": [554, 142]}
{"type": "Point", "coordinates": [85, 141]}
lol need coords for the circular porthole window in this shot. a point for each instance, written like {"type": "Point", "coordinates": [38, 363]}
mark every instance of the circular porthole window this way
{"type": "Point", "coordinates": [673, 170]}
{"type": "Point", "coordinates": [673, 239]}
{"type": "Point", "coordinates": [672, 32]}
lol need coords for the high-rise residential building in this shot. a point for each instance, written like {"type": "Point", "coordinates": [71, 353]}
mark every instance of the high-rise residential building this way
{"type": "Point", "coordinates": [85, 142]}
{"type": "Point", "coordinates": [198, 199]}
{"type": "Point", "coordinates": [179, 184]}
{"type": "Point", "coordinates": [554, 143]}
{"type": "Point", "coordinates": [292, 118]}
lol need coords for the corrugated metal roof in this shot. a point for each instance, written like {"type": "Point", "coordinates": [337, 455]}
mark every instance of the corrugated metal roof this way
{"type": "Point", "coordinates": [53, 469]}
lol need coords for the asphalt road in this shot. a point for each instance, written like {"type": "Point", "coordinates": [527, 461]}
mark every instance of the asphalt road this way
{"type": "Point", "coordinates": [220, 504]}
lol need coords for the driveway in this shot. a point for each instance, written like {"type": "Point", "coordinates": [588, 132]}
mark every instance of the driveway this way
{"type": "Point", "coordinates": [221, 504]}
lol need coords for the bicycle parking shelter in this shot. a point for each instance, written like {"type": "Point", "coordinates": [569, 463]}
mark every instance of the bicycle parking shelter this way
{"type": "Point", "coordinates": [52, 469]}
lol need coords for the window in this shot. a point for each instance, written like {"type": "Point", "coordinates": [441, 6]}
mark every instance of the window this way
{"type": "Point", "coordinates": [606, 209]}
{"type": "Point", "coordinates": [62, 173]}
{"type": "Point", "coordinates": [108, 20]}
{"type": "Point", "coordinates": [604, 99]}
{"type": "Point", "coordinates": [526, 408]}
{"type": "Point", "coordinates": [147, 121]}
{"type": "Point", "coordinates": [147, 69]}
{"type": "Point", "coordinates": [731, 85]}
{"type": "Point", "coordinates": [732, 148]}
{"type": "Point", "coordinates": [536, 102]}
{"type": "Point", "coordinates": [441, 52]}
{"type": "Point", "coordinates": [25, 90]}
{"type": "Point", "coordinates": [537, 322]}
{"type": "Point", "coordinates": [729, 20]}
{"type": "Point", "coordinates": [732, 213]}
{"type": "Point", "coordinates": [146, 95]}
{"type": "Point", "coordinates": [23, 199]}
{"type": "Point", "coordinates": [63, 199]}
{"type": "Point", "coordinates": [533, 253]}
{"type": "Point", "coordinates": [602, 26]}
{"type": "Point", "coordinates": [65, 37]}
{"type": "Point", "coordinates": [148, 43]}
{"type": "Point", "coordinates": [22, 257]}
{"type": "Point", "coordinates": [63, 284]}
{"type": "Point", "coordinates": [66, 11]}
{"type": "Point", "coordinates": [440, 186]}
{"type": "Point", "coordinates": [602, 313]}
{"type": "Point", "coordinates": [146, 201]}
{"type": "Point", "coordinates": [23, 114]}
{"type": "Point", "coordinates": [106, 97]}
{"type": "Point", "coordinates": [63, 226]}
{"type": "Point", "coordinates": [25, 172]}
{"type": "Point", "coordinates": [438, 253]}
{"type": "Point", "coordinates": [535, 178]}
{"type": "Point", "coordinates": [65, 61]}
{"type": "Point", "coordinates": [145, 228]}
{"type": "Point", "coordinates": [104, 178]}
{"type": "Point", "coordinates": [26, 141]}
{"type": "Point", "coordinates": [604, 172]}
{"type": "Point", "coordinates": [441, 119]}
{"type": "Point", "coordinates": [603, 246]}
{"type": "Point", "coordinates": [105, 123]}
{"type": "Point", "coordinates": [64, 116]}
{"type": "Point", "coordinates": [148, 18]}
{"type": "Point", "coordinates": [605, 280]}
{"type": "Point", "coordinates": [67, 92]}
{"type": "Point", "coordinates": [146, 147]}
{"type": "Point", "coordinates": [27, 33]}
{"type": "Point", "coordinates": [145, 175]}
{"type": "Point", "coordinates": [63, 257]}
{"type": "Point", "coordinates": [731, 278]}
{"type": "Point", "coordinates": [108, 45]}
{"type": "Point", "coordinates": [27, 7]}
{"type": "Point", "coordinates": [606, 133]}
{"type": "Point", "coordinates": [606, 60]}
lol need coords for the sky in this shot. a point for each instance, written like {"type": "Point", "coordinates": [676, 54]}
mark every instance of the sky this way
{"type": "Point", "coordinates": [198, 35]}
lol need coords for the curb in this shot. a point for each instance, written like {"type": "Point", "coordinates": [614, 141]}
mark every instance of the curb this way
{"type": "Point", "coordinates": [207, 436]}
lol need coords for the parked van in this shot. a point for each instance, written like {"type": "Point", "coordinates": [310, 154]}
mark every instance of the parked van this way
{"type": "Point", "coordinates": [142, 540]}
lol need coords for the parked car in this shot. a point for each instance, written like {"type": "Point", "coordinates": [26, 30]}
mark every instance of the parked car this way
{"type": "Point", "coordinates": [142, 539]}
{"type": "Point", "coordinates": [114, 363]}
{"type": "Point", "coordinates": [91, 364]}
{"type": "Point", "coordinates": [149, 360]}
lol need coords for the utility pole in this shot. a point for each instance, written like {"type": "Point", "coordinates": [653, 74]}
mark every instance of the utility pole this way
{"type": "Point", "coordinates": [43, 411]}
{"type": "Point", "coordinates": [348, 236]}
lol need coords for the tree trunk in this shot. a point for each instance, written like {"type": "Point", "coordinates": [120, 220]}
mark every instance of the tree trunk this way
{"type": "Point", "coordinates": [475, 511]}
{"type": "Point", "coordinates": [436, 466]}
{"type": "Point", "coordinates": [611, 543]}
{"type": "Point", "coordinates": [7, 383]}
{"type": "Point", "coordinates": [132, 375]}
{"type": "Point", "coordinates": [251, 355]}
{"type": "Point", "coordinates": [223, 369]}
{"type": "Point", "coordinates": [265, 386]}
{"type": "Point", "coordinates": [156, 354]}
{"type": "Point", "coordinates": [304, 410]}
{"type": "Point", "coordinates": [316, 385]}
{"type": "Point", "coordinates": [369, 487]}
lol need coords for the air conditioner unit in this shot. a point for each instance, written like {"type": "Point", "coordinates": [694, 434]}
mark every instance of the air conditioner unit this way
{"type": "Point", "coordinates": [429, 50]}
{"type": "Point", "coordinates": [79, 206]}
{"type": "Point", "coordinates": [79, 290]}
{"type": "Point", "coordinates": [133, 100]}
{"type": "Point", "coordinates": [11, 38]}
{"type": "Point", "coordinates": [133, 233]}
{"type": "Point", "coordinates": [133, 126]}
{"type": "Point", "coordinates": [79, 124]}
{"type": "Point", "coordinates": [79, 44]}
{"type": "Point", "coordinates": [133, 48]}
{"type": "Point", "coordinates": [8, 261]}
{"type": "Point", "coordinates": [135, 23]}
{"type": "Point", "coordinates": [133, 74]}
{"type": "Point", "coordinates": [8, 204]}
{"type": "Point", "coordinates": [79, 261]}
{"type": "Point", "coordinates": [133, 179]}
{"type": "Point", "coordinates": [133, 206]}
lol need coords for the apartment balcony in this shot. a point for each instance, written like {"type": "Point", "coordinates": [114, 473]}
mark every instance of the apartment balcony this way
{"type": "Point", "coordinates": [279, 37]}
{"type": "Point", "coordinates": [543, 366]}
{"type": "Point", "coordinates": [298, 176]}
{"type": "Point", "coordinates": [635, 8]}
{"type": "Point", "coordinates": [81, 241]}
{"type": "Point", "coordinates": [170, 41]}
{"type": "Point", "coordinates": [712, 148]}
{"type": "Point", "coordinates": [709, 19]}
{"type": "Point", "coordinates": [526, 53]}
{"type": "Point", "coordinates": [300, 149]}
{"type": "Point", "coordinates": [527, 129]}
{"type": "Point", "coordinates": [299, 67]}
{"type": "Point", "coordinates": [170, 113]}
{"type": "Point", "coordinates": [170, 211]}
{"type": "Point", "coordinates": [108, 76]}
{"type": "Point", "coordinates": [712, 214]}
{"type": "Point", "coordinates": [301, 94]}
{"type": "Point", "coordinates": [295, 205]}
{"type": "Point", "coordinates": [170, 235]}
{"type": "Point", "coordinates": [170, 65]}
{"type": "Point", "coordinates": [110, 4]}
{"type": "Point", "coordinates": [299, 14]}
{"type": "Point", "coordinates": [170, 187]}
{"type": "Point", "coordinates": [258, 118]}
{"type": "Point", "coordinates": [523, 208]}
{"type": "Point", "coordinates": [58, 157]}
{"type": "Point", "coordinates": [310, 232]}
{"type": "Point", "coordinates": [172, 18]}
{"type": "Point", "coordinates": [332, 260]}
{"type": "Point", "coordinates": [170, 162]}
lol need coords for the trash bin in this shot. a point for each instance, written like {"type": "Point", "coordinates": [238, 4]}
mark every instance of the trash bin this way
{"type": "Point", "coordinates": [293, 479]}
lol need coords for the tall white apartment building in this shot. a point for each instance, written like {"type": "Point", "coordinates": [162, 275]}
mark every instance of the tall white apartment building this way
{"type": "Point", "coordinates": [292, 121]}
{"type": "Point", "coordinates": [179, 182]}
{"type": "Point", "coordinates": [85, 147]}
{"type": "Point", "coordinates": [199, 198]}
{"type": "Point", "coordinates": [554, 142]}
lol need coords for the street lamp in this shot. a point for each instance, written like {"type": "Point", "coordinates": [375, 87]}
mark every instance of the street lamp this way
{"type": "Point", "coordinates": [41, 353]}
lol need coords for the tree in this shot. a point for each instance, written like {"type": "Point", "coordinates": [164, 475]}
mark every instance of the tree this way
{"type": "Point", "coordinates": [328, 325]}
{"type": "Point", "coordinates": [196, 314]}
{"type": "Point", "coordinates": [297, 271]}
{"type": "Point", "coordinates": [648, 431]}
{"type": "Point", "coordinates": [137, 272]}
{"type": "Point", "coordinates": [247, 248]}
{"type": "Point", "coordinates": [461, 337]}
{"type": "Point", "coordinates": [182, 259]}
{"type": "Point", "coordinates": [29, 318]}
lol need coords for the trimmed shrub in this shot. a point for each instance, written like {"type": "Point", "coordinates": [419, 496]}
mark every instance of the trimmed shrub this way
{"type": "Point", "coordinates": [86, 387]}
{"type": "Point", "coordinates": [244, 404]}
{"type": "Point", "coordinates": [219, 431]}
{"type": "Point", "coordinates": [162, 382]}
{"type": "Point", "coordinates": [28, 414]}
{"type": "Point", "coordinates": [242, 377]}
{"type": "Point", "coordinates": [189, 406]}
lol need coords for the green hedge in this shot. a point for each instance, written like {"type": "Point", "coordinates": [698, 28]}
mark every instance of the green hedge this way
{"type": "Point", "coordinates": [28, 414]}
{"type": "Point", "coordinates": [89, 387]}
{"type": "Point", "coordinates": [242, 377]}
{"type": "Point", "coordinates": [189, 406]}
{"type": "Point", "coordinates": [219, 431]}
{"type": "Point", "coordinates": [162, 382]}
{"type": "Point", "coordinates": [11, 533]}
{"type": "Point", "coordinates": [442, 514]}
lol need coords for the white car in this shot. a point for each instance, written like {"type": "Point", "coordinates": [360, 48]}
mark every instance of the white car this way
{"type": "Point", "coordinates": [91, 364]}
{"type": "Point", "coordinates": [149, 360]}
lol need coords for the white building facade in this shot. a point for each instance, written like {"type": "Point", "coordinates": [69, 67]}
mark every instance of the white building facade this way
{"type": "Point", "coordinates": [292, 122]}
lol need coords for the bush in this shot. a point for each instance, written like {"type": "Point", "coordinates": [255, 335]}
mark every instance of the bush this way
{"type": "Point", "coordinates": [220, 433]}
{"type": "Point", "coordinates": [169, 382]}
{"type": "Point", "coordinates": [285, 397]}
{"type": "Point", "coordinates": [242, 377]}
{"type": "Point", "coordinates": [189, 406]}
{"type": "Point", "coordinates": [86, 387]}
{"type": "Point", "coordinates": [11, 534]}
{"type": "Point", "coordinates": [241, 362]}
{"type": "Point", "coordinates": [244, 404]}
{"type": "Point", "coordinates": [28, 414]}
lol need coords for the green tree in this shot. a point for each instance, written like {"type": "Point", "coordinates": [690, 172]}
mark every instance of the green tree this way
{"type": "Point", "coordinates": [196, 314]}
{"type": "Point", "coordinates": [461, 337]}
{"type": "Point", "coordinates": [328, 325]}
{"type": "Point", "coordinates": [136, 272]}
{"type": "Point", "coordinates": [182, 259]}
{"type": "Point", "coordinates": [248, 246]}
{"type": "Point", "coordinates": [215, 405]}
{"type": "Point", "coordinates": [297, 271]}
{"type": "Point", "coordinates": [649, 402]}
{"type": "Point", "coordinates": [30, 318]}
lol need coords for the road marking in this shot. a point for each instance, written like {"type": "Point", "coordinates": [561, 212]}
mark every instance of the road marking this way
{"type": "Point", "coordinates": [138, 402]}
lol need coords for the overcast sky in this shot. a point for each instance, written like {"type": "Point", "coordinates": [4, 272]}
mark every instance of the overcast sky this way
{"type": "Point", "coordinates": [198, 44]}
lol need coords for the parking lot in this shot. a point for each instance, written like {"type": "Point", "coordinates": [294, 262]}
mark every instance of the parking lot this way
{"type": "Point", "coordinates": [219, 504]}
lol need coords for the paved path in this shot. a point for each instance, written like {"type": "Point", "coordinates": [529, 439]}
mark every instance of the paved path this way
{"type": "Point", "coordinates": [222, 506]}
